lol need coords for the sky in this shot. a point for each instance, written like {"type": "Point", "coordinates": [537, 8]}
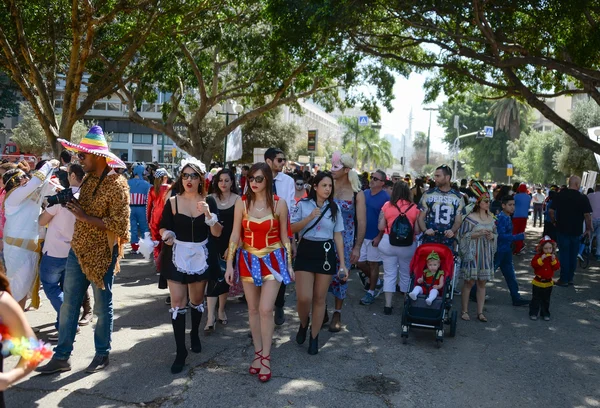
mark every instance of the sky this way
{"type": "Point", "coordinates": [409, 93]}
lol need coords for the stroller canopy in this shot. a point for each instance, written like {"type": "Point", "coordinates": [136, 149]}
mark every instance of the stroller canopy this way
{"type": "Point", "coordinates": [419, 259]}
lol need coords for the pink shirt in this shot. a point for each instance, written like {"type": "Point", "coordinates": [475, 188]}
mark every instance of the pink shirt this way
{"type": "Point", "coordinates": [390, 212]}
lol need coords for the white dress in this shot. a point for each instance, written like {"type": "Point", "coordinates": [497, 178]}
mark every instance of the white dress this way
{"type": "Point", "coordinates": [22, 208]}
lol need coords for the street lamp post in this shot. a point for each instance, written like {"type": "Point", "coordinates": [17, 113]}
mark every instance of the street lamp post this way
{"type": "Point", "coordinates": [429, 130]}
{"type": "Point", "coordinates": [230, 108]}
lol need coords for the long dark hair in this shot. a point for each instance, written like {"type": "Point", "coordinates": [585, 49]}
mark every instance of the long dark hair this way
{"type": "Point", "coordinates": [178, 186]}
{"type": "Point", "coordinates": [419, 187]}
{"type": "Point", "coordinates": [401, 191]}
{"type": "Point", "coordinates": [4, 284]}
{"type": "Point", "coordinates": [312, 195]}
{"type": "Point", "coordinates": [12, 178]}
{"type": "Point", "coordinates": [268, 173]}
{"type": "Point", "coordinates": [215, 182]}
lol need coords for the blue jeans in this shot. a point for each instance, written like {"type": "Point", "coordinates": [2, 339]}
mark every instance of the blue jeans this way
{"type": "Point", "coordinates": [568, 247]}
{"type": "Point", "coordinates": [504, 261]}
{"type": "Point", "coordinates": [138, 222]}
{"type": "Point", "coordinates": [75, 286]}
{"type": "Point", "coordinates": [52, 276]}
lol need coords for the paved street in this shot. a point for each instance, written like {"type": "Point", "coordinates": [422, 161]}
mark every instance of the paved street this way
{"type": "Point", "coordinates": [510, 361]}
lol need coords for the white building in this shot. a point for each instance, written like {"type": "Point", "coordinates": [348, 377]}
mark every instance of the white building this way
{"type": "Point", "coordinates": [313, 117]}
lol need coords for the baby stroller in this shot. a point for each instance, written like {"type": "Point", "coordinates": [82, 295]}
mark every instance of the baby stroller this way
{"type": "Point", "coordinates": [416, 312]}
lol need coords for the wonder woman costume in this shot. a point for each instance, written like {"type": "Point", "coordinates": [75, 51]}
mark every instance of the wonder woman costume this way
{"type": "Point", "coordinates": [262, 256]}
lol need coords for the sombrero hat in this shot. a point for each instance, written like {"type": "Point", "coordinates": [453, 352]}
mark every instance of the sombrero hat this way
{"type": "Point", "coordinates": [95, 143]}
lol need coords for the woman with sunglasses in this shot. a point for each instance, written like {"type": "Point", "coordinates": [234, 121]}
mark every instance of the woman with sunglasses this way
{"type": "Point", "coordinates": [318, 220]}
{"type": "Point", "coordinates": [300, 191]}
{"type": "Point", "coordinates": [477, 246]}
{"type": "Point", "coordinates": [264, 260]}
{"type": "Point", "coordinates": [190, 257]}
{"type": "Point", "coordinates": [226, 195]}
{"type": "Point", "coordinates": [22, 206]}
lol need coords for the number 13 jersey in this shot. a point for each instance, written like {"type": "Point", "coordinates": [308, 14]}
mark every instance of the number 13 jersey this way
{"type": "Point", "coordinates": [442, 208]}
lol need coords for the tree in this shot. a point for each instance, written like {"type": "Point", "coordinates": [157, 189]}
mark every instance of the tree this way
{"type": "Point", "coordinates": [261, 54]}
{"type": "Point", "coordinates": [30, 137]}
{"type": "Point", "coordinates": [9, 105]}
{"type": "Point", "coordinates": [420, 141]}
{"type": "Point", "coordinates": [266, 131]}
{"type": "Point", "coordinates": [531, 50]}
{"type": "Point", "coordinates": [571, 159]}
{"type": "Point", "coordinates": [366, 145]}
{"type": "Point", "coordinates": [80, 50]}
{"type": "Point", "coordinates": [508, 113]}
{"type": "Point", "coordinates": [487, 155]}
{"type": "Point", "coordinates": [535, 159]}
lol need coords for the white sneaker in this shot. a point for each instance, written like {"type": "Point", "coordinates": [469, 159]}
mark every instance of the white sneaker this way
{"type": "Point", "coordinates": [580, 257]}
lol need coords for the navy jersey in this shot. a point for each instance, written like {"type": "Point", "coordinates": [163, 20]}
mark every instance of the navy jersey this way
{"type": "Point", "coordinates": [442, 209]}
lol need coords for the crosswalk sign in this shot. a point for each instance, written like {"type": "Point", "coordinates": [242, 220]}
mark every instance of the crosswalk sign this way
{"type": "Point", "coordinates": [489, 131]}
{"type": "Point", "coordinates": [363, 120]}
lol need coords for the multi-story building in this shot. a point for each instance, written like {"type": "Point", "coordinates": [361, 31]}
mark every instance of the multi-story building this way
{"type": "Point", "coordinates": [562, 105]}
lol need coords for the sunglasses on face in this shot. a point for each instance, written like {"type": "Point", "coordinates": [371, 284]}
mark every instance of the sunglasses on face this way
{"type": "Point", "coordinates": [281, 159]}
{"type": "Point", "coordinates": [375, 178]}
{"type": "Point", "coordinates": [257, 179]}
{"type": "Point", "coordinates": [300, 184]}
{"type": "Point", "coordinates": [193, 176]}
{"type": "Point", "coordinates": [485, 201]}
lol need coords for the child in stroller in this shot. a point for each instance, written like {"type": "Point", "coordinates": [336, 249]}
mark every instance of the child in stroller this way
{"type": "Point", "coordinates": [418, 312]}
{"type": "Point", "coordinates": [432, 280]}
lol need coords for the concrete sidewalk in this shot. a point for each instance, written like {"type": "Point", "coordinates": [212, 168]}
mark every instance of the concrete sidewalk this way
{"type": "Point", "coordinates": [509, 361]}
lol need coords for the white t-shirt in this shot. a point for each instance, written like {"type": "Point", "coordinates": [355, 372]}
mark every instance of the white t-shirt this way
{"type": "Point", "coordinates": [286, 189]}
{"type": "Point", "coordinates": [60, 230]}
{"type": "Point", "coordinates": [538, 198]}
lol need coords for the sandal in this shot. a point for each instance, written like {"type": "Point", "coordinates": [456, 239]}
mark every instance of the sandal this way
{"type": "Point", "coordinates": [265, 377]}
{"type": "Point", "coordinates": [481, 317]}
{"type": "Point", "coordinates": [222, 321]}
{"type": "Point", "coordinates": [254, 370]}
{"type": "Point", "coordinates": [465, 316]}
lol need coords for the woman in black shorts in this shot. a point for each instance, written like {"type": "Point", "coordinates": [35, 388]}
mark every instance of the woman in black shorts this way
{"type": "Point", "coordinates": [318, 220]}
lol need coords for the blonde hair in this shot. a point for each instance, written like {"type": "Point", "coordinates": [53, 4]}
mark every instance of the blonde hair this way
{"type": "Point", "coordinates": [354, 180]}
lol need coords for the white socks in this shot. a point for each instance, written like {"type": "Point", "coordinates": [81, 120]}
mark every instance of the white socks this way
{"type": "Point", "coordinates": [418, 290]}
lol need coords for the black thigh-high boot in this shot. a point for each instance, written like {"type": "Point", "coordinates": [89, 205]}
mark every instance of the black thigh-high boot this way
{"type": "Point", "coordinates": [196, 311]}
{"type": "Point", "coordinates": [179, 332]}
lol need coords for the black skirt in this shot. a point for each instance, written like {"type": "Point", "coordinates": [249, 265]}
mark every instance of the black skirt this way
{"type": "Point", "coordinates": [168, 271]}
{"type": "Point", "coordinates": [311, 257]}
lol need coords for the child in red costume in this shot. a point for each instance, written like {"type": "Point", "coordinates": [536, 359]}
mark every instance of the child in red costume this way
{"type": "Point", "coordinates": [544, 265]}
{"type": "Point", "coordinates": [432, 280]}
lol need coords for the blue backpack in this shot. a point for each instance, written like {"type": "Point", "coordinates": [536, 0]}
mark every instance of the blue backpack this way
{"type": "Point", "coordinates": [401, 232]}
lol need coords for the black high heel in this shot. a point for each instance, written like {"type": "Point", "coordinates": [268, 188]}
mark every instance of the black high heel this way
{"type": "Point", "coordinates": [301, 335]}
{"type": "Point", "coordinates": [313, 345]}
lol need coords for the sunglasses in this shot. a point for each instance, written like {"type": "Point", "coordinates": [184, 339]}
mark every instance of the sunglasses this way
{"type": "Point", "coordinates": [300, 184]}
{"type": "Point", "coordinates": [81, 156]}
{"type": "Point", "coordinates": [257, 179]}
{"type": "Point", "coordinates": [193, 176]}
{"type": "Point", "coordinates": [375, 178]}
{"type": "Point", "coordinates": [281, 159]}
{"type": "Point", "coordinates": [485, 201]}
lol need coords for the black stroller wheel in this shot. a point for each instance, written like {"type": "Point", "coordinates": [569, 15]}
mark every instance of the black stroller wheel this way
{"type": "Point", "coordinates": [453, 321]}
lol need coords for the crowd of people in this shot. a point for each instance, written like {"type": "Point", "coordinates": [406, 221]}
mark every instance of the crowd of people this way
{"type": "Point", "coordinates": [213, 235]}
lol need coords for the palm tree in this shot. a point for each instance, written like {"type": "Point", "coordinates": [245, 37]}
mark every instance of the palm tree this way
{"type": "Point", "coordinates": [509, 114]}
{"type": "Point", "coordinates": [365, 144]}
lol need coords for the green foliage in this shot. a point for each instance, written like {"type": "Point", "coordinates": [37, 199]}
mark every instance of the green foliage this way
{"type": "Point", "coordinates": [420, 140]}
{"type": "Point", "coordinates": [486, 155]}
{"type": "Point", "coordinates": [531, 49]}
{"type": "Point", "coordinates": [268, 131]}
{"type": "Point", "coordinates": [31, 138]}
{"type": "Point", "coordinates": [572, 159]}
{"type": "Point", "coordinates": [9, 105]}
{"type": "Point", "coordinates": [364, 143]}
{"type": "Point", "coordinates": [535, 157]}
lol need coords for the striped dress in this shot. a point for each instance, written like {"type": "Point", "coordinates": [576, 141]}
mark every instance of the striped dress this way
{"type": "Point", "coordinates": [477, 254]}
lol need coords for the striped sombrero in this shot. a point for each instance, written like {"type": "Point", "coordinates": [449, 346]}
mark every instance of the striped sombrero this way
{"type": "Point", "coordinates": [95, 143]}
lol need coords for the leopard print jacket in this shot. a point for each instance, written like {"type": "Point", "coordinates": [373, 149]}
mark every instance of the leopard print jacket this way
{"type": "Point", "coordinates": [93, 246]}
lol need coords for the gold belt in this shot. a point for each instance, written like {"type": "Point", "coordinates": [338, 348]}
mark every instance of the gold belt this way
{"type": "Point", "coordinates": [261, 253]}
{"type": "Point", "coordinates": [29, 244]}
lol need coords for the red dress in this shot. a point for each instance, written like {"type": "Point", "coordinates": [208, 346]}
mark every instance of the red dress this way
{"type": "Point", "coordinates": [430, 280]}
{"type": "Point", "coordinates": [154, 210]}
{"type": "Point", "coordinates": [262, 256]}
